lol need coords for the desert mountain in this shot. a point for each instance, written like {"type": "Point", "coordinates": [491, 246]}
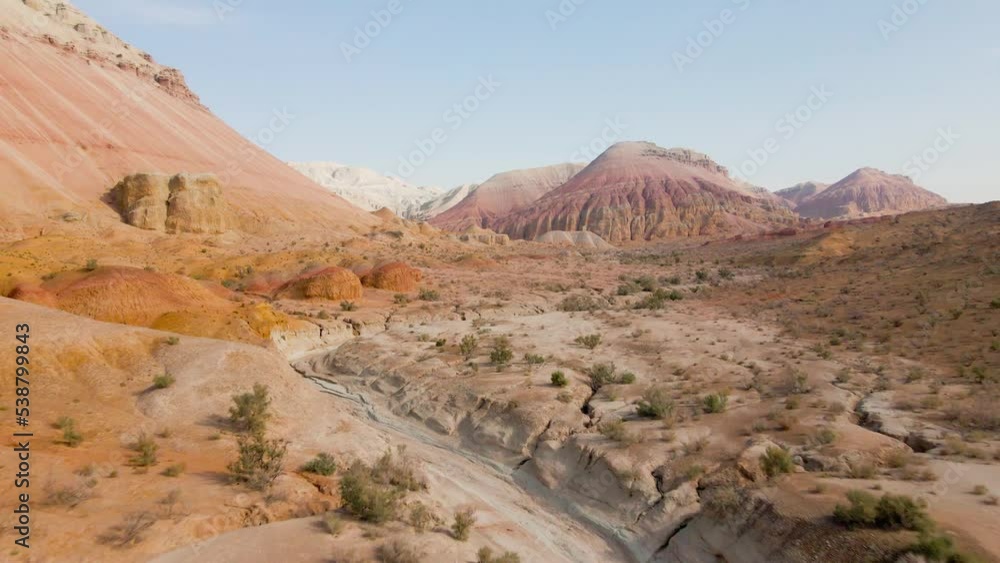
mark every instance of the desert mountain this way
{"type": "Point", "coordinates": [82, 110]}
{"type": "Point", "coordinates": [503, 194]}
{"type": "Point", "coordinates": [869, 192]}
{"type": "Point", "coordinates": [798, 193]}
{"type": "Point", "coordinates": [639, 191]}
{"type": "Point", "coordinates": [368, 189]}
{"type": "Point", "coordinates": [445, 201]}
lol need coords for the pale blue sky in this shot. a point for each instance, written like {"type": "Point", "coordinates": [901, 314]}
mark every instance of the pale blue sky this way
{"type": "Point", "coordinates": [561, 80]}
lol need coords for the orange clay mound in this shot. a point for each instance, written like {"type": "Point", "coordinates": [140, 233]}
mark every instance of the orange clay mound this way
{"type": "Point", "coordinates": [122, 295]}
{"type": "Point", "coordinates": [329, 283]}
{"type": "Point", "coordinates": [393, 276]}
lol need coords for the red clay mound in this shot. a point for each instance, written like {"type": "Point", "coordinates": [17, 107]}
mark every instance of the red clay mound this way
{"type": "Point", "coordinates": [394, 276]}
{"type": "Point", "coordinates": [329, 283]}
{"type": "Point", "coordinates": [123, 295]}
{"type": "Point", "coordinates": [34, 294]}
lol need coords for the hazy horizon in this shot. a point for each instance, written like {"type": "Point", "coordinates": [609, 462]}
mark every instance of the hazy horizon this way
{"type": "Point", "coordinates": [372, 84]}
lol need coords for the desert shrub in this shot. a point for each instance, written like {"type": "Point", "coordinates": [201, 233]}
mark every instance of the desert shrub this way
{"type": "Point", "coordinates": [714, 403]}
{"type": "Point", "coordinates": [398, 551]}
{"type": "Point", "coordinates": [601, 375]}
{"type": "Point", "coordinates": [995, 304]}
{"type": "Point", "coordinates": [462, 525]}
{"type": "Point", "coordinates": [421, 517]}
{"type": "Point", "coordinates": [367, 498]}
{"type": "Point", "coordinates": [468, 346]}
{"type": "Point", "coordinates": [626, 378]}
{"type": "Point", "coordinates": [891, 512]}
{"type": "Point", "coordinates": [333, 524]}
{"type": "Point", "coordinates": [91, 265]}
{"type": "Point", "coordinates": [559, 379]}
{"type": "Point", "coordinates": [628, 288]}
{"type": "Point", "coordinates": [695, 446]}
{"type": "Point", "coordinates": [860, 470]}
{"type": "Point", "coordinates": [70, 436]}
{"type": "Point", "coordinates": [938, 548]}
{"type": "Point", "coordinates": [250, 410]}
{"type": "Point", "coordinates": [564, 397]}
{"type": "Point", "coordinates": [429, 295]}
{"type": "Point", "coordinates": [580, 303]}
{"type": "Point", "coordinates": [589, 341]}
{"type": "Point", "coordinates": [656, 403]}
{"type": "Point", "coordinates": [132, 530]}
{"type": "Point", "coordinates": [616, 431]}
{"type": "Point", "coordinates": [348, 306]}
{"type": "Point", "coordinates": [980, 490]}
{"type": "Point", "coordinates": [401, 299]}
{"type": "Point", "coordinates": [646, 283]}
{"type": "Point", "coordinates": [322, 464]}
{"type": "Point", "coordinates": [163, 381]}
{"type": "Point", "coordinates": [173, 341]}
{"type": "Point", "coordinates": [534, 359]}
{"type": "Point", "coordinates": [174, 470]}
{"type": "Point", "coordinates": [776, 461]}
{"type": "Point", "coordinates": [259, 462]}
{"type": "Point", "coordinates": [67, 495]}
{"type": "Point", "coordinates": [440, 342]}
{"type": "Point", "coordinates": [501, 354]}
{"type": "Point", "coordinates": [826, 436]}
{"type": "Point", "coordinates": [722, 502]}
{"type": "Point", "coordinates": [399, 471]}
{"type": "Point", "coordinates": [898, 458]}
{"type": "Point", "coordinates": [145, 448]}
{"type": "Point", "coordinates": [658, 299]}
{"type": "Point", "coordinates": [485, 555]}
{"type": "Point", "coordinates": [726, 274]}
{"type": "Point", "coordinates": [701, 276]}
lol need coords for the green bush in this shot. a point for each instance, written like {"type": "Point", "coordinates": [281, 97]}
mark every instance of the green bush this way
{"type": "Point", "coordinates": [656, 403]}
{"type": "Point", "coordinates": [601, 375]}
{"type": "Point", "coordinates": [534, 359]}
{"type": "Point", "coordinates": [322, 464]}
{"type": "Point", "coordinates": [250, 410]}
{"type": "Point", "coordinates": [260, 461]}
{"type": "Point", "coordinates": [715, 403]}
{"type": "Point", "coordinates": [616, 431]}
{"type": "Point", "coordinates": [348, 306]}
{"type": "Point", "coordinates": [501, 354]}
{"type": "Point", "coordinates": [465, 519]}
{"type": "Point", "coordinates": [70, 436]}
{"type": "Point", "coordinates": [776, 461]}
{"type": "Point", "coordinates": [658, 299]}
{"type": "Point", "coordinates": [891, 512]}
{"type": "Point", "coordinates": [367, 498]}
{"type": "Point", "coordinates": [429, 295]}
{"type": "Point", "coordinates": [145, 448]}
{"type": "Point", "coordinates": [163, 381]}
{"type": "Point", "coordinates": [589, 341]}
{"type": "Point", "coordinates": [559, 379]}
{"type": "Point", "coordinates": [485, 555]}
{"type": "Point", "coordinates": [468, 346]}
{"type": "Point", "coordinates": [580, 303]}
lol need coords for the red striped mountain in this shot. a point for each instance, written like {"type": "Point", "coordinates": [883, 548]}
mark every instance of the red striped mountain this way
{"type": "Point", "coordinates": [503, 194]}
{"type": "Point", "coordinates": [869, 192]}
{"type": "Point", "coordinates": [638, 191]}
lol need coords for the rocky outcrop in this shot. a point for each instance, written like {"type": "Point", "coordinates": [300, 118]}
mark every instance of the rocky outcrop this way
{"type": "Point", "coordinates": [180, 204]}
{"type": "Point", "coordinates": [869, 192]}
{"type": "Point", "coordinates": [484, 236]}
{"type": "Point", "coordinates": [638, 191]}
{"type": "Point", "coordinates": [394, 276]}
{"type": "Point", "coordinates": [329, 283]}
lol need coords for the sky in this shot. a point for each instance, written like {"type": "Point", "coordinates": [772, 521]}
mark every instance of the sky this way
{"type": "Point", "coordinates": [453, 91]}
